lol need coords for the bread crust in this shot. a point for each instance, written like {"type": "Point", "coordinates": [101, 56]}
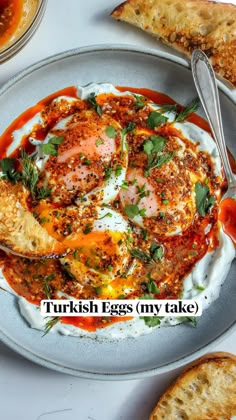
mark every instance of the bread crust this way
{"type": "Point", "coordinates": [20, 232]}
{"type": "Point", "coordinates": [186, 25]}
{"type": "Point", "coordinates": [205, 390]}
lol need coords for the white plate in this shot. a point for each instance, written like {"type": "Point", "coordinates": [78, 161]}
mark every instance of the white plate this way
{"type": "Point", "coordinates": [166, 348]}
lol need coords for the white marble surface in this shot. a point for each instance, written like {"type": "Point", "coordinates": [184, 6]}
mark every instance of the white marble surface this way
{"type": "Point", "coordinates": [28, 391]}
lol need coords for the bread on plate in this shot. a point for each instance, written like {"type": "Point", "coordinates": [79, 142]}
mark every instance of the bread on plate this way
{"type": "Point", "coordinates": [20, 232]}
{"type": "Point", "coordinates": [206, 390]}
{"type": "Point", "coordinates": [189, 24]}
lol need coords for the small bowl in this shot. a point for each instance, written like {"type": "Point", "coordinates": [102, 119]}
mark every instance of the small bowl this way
{"type": "Point", "coordinates": [33, 11]}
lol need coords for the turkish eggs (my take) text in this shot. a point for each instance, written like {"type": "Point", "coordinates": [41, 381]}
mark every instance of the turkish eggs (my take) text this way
{"type": "Point", "coordinates": [115, 195]}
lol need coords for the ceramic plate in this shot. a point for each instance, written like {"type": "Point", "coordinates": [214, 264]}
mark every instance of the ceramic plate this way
{"type": "Point", "coordinates": [150, 354]}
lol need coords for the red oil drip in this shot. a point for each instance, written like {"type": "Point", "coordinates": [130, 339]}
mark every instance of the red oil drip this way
{"type": "Point", "coordinates": [227, 216]}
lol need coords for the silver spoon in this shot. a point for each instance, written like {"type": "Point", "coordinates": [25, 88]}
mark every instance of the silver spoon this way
{"type": "Point", "coordinates": [205, 83]}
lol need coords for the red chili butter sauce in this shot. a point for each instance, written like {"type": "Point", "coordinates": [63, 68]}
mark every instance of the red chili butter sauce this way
{"type": "Point", "coordinates": [6, 138]}
{"type": "Point", "coordinates": [10, 15]}
{"type": "Point", "coordinates": [227, 216]}
{"type": "Point", "coordinates": [161, 98]}
{"type": "Point", "coordinates": [92, 323]}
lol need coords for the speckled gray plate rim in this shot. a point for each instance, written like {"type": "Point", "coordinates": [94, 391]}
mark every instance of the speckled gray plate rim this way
{"type": "Point", "coordinates": [163, 349]}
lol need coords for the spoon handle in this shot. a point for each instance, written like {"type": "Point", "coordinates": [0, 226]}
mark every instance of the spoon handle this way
{"type": "Point", "coordinates": [205, 83]}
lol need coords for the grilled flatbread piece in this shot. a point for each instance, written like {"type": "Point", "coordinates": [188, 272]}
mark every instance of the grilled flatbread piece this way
{"type": "Point", "coordinates": [205, 391]}
{"type": "Point", "coordinates": [189, 24]}
{"type": "Point", "coordinates": [20, 233]}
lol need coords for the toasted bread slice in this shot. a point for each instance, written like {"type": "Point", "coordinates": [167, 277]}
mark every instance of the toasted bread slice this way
{"type": "Point", "coordinates": [206, 390]}
{"type": "Point", "coordinates": [20, 233]}
{"type": "Point", "coordinates": [189, 24]}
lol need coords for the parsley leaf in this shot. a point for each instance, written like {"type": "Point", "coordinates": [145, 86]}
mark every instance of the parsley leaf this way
{"type": "Point", "coordinates": [139, 101]}
{"type": "Point", "coordinates": [108, 172]}
{"type": "Point", "coordinates": [155, 119]}
{"type": "Point", "coordinates": [99, 141]}
{"type": "Point", "coordinates": [192, 320]}
{"type": "Point", "coordinates": [191, 107]}
{"type": "Point", "coordinates": [154, 145]}
{"type": "Point", "coordinates": [93, 102]}
{"type": "Point", "coordinates": [130, 127]}
{"type": "Point", "coordinates": [151, 321]}
{"type": "Point", "coordinates": [203, 200]}
{"type": "Point", "coordinates": [51, 148]}
{"type": "Point", "coordinates": [151, 286]}
{"type": "Point", "coordinates": [118, 170]}
{"type": "Point", "coordinates": [8, 170]}
{"type": "Point", "coordinates": [131, 210]}
{"type": "Point", "coordinates": [147, 147]}
{"type": "Point", "coordinates": [156, 251]}
{"type": "Point", "coordinates": [111, 132]}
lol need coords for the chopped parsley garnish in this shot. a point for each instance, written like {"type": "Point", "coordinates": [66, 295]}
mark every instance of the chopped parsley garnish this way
{"type": "Point", "coordinates": [51, 148]}
{"type": "Point", "coordinates": [146, 297]}
{"type": "Point", "coordinates": [155, 119]}
{"type": "Point", "coordinates": [88, 229]}
{"type": "Point", "coordinates": [76, 254]}
{"type": "Point", "coordinates": [151, 321]}
{"type": "Point", "coordinates": [130, 127]}
{"type": "Point", "coordinates": [110, 268]}
{"type": "Point", "coordinates": [140, 101]}
{"type": "Point", "coordinates": [192, 320]}
{"type": "Point", "coordinates": [203, 198]}
{"type": "Point", "coordinates": [87, 162]}
{"type": "Point", "coordinates": [108, 172]}
{"type": "Point", "coordinates": [93, 102]}
{"type": "Point", "coordinates": [98, 290]}
{"type": "Point", "coordinates": [200, 288]}
{"type": "Point", "coordinates": [191, 107]}
{"type": "Point", "coordinates": [144, 234]}
{"type": "Point", "coordinates": [159, 180]}
{"type": "Point", "coordinates": [44, 220]}
{"type": "Point", "coordinates": [131, 210]}
{"type": "Point", "coordinates": [99, 141]}
{"type": "Point", "coordinates": [155, 144]}
{"type": "Point", "coordinates": [151, 285]}
{"type": "Point", "coordinates": [8, 170]}
{"type": "Point", "coordinates": [165, 202]}
{"type": "Point", "coordinates": [124, 185]}
{"type": "Point", "coordinates": [156, 251]}
{"type": "Point", "coordinates": [142, 212]}
{"type": "Point", "coordinates": [111, 132]}
{"type": "Point", "coordinates": [118, 170]}
{"type": "Point", "coordinates": [153, 147]}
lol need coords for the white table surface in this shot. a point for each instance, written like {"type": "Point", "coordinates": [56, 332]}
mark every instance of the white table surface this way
{"type": "Point", "coordinates": [31, 392]}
